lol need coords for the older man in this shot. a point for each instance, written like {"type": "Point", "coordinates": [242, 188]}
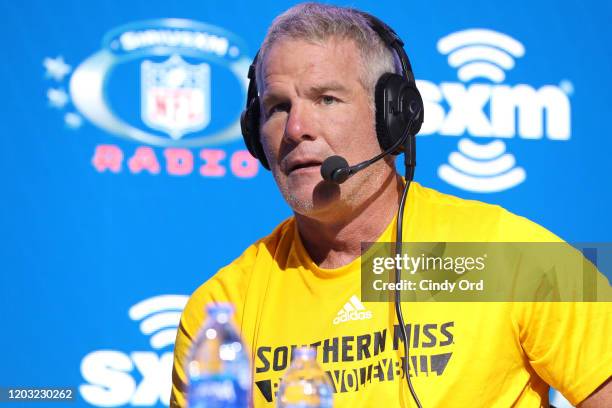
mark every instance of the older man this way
{"type": "Point", "coordinates": [316, 74]}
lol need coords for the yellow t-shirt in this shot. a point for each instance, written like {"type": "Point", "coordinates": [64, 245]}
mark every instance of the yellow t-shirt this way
{"type": "Point", "coordinates": [462, 354]}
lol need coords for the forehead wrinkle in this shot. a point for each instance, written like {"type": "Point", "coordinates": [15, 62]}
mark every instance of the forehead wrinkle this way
{"type": "Point", "coordinates": [270, 97]}
{"type": "Point", "coordinates": [327, 86]}
{"type": "Point", "coordinates": [313, 77]}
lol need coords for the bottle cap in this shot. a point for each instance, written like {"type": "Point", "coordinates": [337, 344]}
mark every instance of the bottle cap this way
{"type": "Point", "coordinates": [305, 353]}
{"type": "Point", "coordinates": [220, 311]}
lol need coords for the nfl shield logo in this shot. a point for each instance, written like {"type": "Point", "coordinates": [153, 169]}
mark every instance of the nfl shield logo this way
{"type": "Point", "coordinates": [175, 96]}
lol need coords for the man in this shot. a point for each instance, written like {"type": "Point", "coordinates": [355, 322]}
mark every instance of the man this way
{"type": "Point", "coordinates": [315, 75]}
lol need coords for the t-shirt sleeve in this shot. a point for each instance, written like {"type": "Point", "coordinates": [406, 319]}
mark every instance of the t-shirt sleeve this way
{"type": "Point", "coordinates": [191, 320]}
{"type": "Point", "coordinates": [230, 284]}
{"type": "Point", "coordinates": [225, 286]}
{"type": "Point", "coordinates": [569, 343]}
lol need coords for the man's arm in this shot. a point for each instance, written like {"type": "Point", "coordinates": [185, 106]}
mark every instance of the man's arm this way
{"type": "Point", "coordinates": [227, 285]}
{"type": "Point", "coordinates": [191, 321]}
{"type": "Point", "coordinates": [601, 397]}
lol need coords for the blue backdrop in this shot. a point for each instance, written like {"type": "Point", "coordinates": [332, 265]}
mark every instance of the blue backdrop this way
{"type": "Point", "coordinates": [126, 183]}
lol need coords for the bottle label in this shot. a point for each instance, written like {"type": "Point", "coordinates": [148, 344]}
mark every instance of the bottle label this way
{"type": "Point", "coordinates": [217, 391]}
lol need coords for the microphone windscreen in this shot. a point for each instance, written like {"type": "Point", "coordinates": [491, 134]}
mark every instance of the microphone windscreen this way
{"type": "Point", "coordinates": [330, 165]}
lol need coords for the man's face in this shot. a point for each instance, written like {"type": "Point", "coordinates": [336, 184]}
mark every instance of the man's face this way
{"type": "Point", "coordinates": [314, 106]}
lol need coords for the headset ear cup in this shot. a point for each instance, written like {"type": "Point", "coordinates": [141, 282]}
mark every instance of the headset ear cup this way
{"type": "Point", "coordinates": [244, 127]}
{"type": "Point", "coordinates": [397, 101]}
{"type": "Point", "coordinates": [379, 106]}
{"type": "Point", "coordinates": [249, 123]}
{"type": "Point", "coordinates": [390, 120]}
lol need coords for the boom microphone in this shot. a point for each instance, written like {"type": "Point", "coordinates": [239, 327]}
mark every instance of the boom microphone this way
{"type": "Point", "coordinates": [337, 170]}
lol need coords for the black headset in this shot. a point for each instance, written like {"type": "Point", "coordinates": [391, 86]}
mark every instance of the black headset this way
{"type": "Point", "coordinates": [398, 102]}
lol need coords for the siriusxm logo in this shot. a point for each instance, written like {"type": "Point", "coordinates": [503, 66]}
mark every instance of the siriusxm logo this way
{"type": "Point", "coordinates": [489, 110]}
{"type": "Point", "coordinates": [175, 94]}
{"type": "Point", "coordinates": [171, 84]}
{"type": "Point", "coordinates": [109, 374]}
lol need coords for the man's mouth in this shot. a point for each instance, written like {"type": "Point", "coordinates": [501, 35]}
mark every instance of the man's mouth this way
{"type": "Point", "coordinates": [304, 165]}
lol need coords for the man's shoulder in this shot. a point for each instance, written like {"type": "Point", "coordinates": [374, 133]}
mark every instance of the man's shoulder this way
{"type": "Point", "coordinates": [458, 219]}
{"type": "Point", "coordinates": [234, 278]}
{"type": "Point", "coordinates": [443, 201]}
{"type": "Point", "coordinates": [265, 248]}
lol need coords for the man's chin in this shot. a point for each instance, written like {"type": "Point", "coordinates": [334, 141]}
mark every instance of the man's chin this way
{"type": "Point", "coordinates": [312, 198]}
{"type": "Point", "coordinates": [302, 186]}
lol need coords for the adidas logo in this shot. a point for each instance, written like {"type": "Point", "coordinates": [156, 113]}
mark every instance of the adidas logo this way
{"type": "Point", "coordinates": [352, 310]}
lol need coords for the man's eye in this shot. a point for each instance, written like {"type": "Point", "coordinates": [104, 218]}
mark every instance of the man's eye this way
{"type": "Point", "coordinates": [328, 100]}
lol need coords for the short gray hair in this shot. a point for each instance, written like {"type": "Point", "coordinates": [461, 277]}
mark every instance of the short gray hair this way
{"type": "Point", "coordinates": [318, 23]}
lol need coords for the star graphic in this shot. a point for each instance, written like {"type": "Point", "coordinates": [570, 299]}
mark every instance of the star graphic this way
{"type": "Point", "coordinates": [58, 98]}
{"type": "Point", "coordinates": [56, 68]}
{"type": "Point", "coordinates": [73, 120]}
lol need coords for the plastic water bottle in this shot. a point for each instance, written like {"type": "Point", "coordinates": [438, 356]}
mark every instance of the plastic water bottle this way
{"type": "Point", "coordinates": [218, 368]}
{"type": "Point", "coordinates": [305, 384]}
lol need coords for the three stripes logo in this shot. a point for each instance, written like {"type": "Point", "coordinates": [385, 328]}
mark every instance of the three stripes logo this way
{"type": "Point", "coordinates": [481, 106]}
{"type": "Point", "coordinates": [352, 310]}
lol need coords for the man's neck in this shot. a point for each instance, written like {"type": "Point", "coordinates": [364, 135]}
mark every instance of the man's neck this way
{"type": "Point", "coordinates": [335, 241]}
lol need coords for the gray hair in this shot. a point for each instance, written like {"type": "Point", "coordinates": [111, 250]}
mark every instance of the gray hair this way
{"type": "Point", "coordinates": [318, 23]}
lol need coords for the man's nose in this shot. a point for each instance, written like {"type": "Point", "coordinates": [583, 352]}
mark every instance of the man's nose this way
{"type": "Point", "coordinates": [299, 125]}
